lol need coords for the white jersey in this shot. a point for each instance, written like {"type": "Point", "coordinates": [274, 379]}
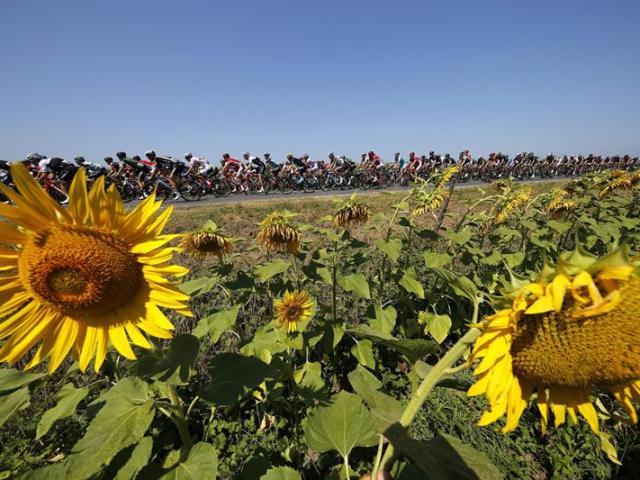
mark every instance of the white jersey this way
{"type": "Point", "coordinates": [43, 165]}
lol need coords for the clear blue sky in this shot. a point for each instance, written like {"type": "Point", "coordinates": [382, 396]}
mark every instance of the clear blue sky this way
{"type": "Point", "coordinates": [92, 77]}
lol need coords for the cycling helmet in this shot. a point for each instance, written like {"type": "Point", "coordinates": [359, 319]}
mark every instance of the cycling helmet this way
{"type": "Point", "coordinates": [137, 158]}
{"type": "Point", "coordinates": [245, 154]}
{"type": "Point", "coordinates": [331, 155]}
{"type": "Point", "coordinates": [108, 160]}
{"type": "Point", "coordinates": [267, 155]}
{"type": "Point", "coordinates": [35, 157]}
{"type": "Point", "coordinates": [79, 160]}
{"type": "Point", "coordinates": [188, 156]}
{"type": "Point", "coordinates": [150, 153]}
{"type": "Point", "coordinates": [121, 155]}
{"type": "Point", "coordinates": [289, 155]}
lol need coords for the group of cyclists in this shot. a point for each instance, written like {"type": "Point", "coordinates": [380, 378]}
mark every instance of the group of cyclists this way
{"type": "Point", "coordinates": [194, 176]}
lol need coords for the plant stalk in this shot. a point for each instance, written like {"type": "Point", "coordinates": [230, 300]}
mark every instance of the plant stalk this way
{"type": "Point", "coordinates": [180, 421]}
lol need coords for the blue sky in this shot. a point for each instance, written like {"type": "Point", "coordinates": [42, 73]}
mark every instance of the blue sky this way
{"type": "Point", "coordinates": [93, 77]}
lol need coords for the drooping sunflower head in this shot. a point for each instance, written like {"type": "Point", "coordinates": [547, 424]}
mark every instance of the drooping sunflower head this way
{"type": "Point", "coordinates": [83, 278]}
{"type": "Point", "coordinates": [208, 240]}
{"type": "Point", "coordinates": [512, 200]}
{"type": "Point", "coordinates": [294, 310]}
{"type": "Point", "coordinates": [277, 233]}
{"type": "Point", "coordinates": [571, 333]}
{"type": "Point", "coordinates": [351, 214]}
{"type": "Point", "coordinates": [446, 176]}
{"type": "Point", "coordinates": [502, 185]}
{"type": "Point", "coordinates": [618, 180]}
{"type": "Point", "coordinates": [560, 204]}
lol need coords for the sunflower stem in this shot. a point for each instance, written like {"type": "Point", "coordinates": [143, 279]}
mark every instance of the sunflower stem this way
{"type": "Point", "coordinates": [296, 271]}
{"type": "Point", "coordinates": [439, 370]}
{"type": "Point", "coordinates": [376, 465]}
{"type": "Point", "coordinates": [334, 280]}
{"type": "Point", "coordinates": [180, 421]}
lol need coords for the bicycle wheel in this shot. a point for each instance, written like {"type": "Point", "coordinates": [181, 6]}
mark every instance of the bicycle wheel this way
{"type": "Point", "coordinates": [190, 190]}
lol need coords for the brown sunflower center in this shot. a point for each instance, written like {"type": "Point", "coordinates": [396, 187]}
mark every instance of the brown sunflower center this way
{"type": "Point", "coordinates": [559, 350]}
{"type": "Point", "coordinates": [79, 271]}
{"type": "Point", "coordinates": [293, 312]}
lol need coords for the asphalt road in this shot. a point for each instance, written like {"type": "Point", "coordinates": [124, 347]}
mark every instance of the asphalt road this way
{"type": "Point", "coordinates": [257, 197]}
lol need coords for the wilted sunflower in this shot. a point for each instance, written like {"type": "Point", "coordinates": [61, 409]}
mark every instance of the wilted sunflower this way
{"type": "Point", "coordinates": [209, 240]}
{"type": "Point", "coordinates": [620, 180]}
{"type": "Point", "coordinates": [507, 206]}
{"type": "Point", "coordinates": [574, 332]}
{"type": "Point", "coordinates": [294, 310]}
{"type": "Point", "coordinates": [82, 278]}
{"type": "Point", "coordinates": [351, 214]}
{"type": "Point", "coordinates": [278, 234]}
{"type": "Point", "coordinates": [446, 176]}
{"type": "Point", "coordinates": [560, 204]}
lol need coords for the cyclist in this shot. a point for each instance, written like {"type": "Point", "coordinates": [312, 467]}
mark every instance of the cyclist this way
{"type": "Point", "coordinates": [194, 164]}
{"type": "Point", "coordinates": [273, 168]}
{"type": "Point", "coordinates": [168, 167]}
{"type": "Point", "coordinates": [132, 167]}
{"type": "Point", "coordinates": [232, 167]}
{"type": "Point", "coordinates": [257, 166]}
{"type": "Point", "coordinates": [112, 167]}
{"type": "Point", "coordinates": [93, 169]}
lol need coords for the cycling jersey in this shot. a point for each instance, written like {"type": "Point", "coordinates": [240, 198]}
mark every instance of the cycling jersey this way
{"type": "Point", "coordinates": [133, 164]}
{"type": "Point", "coordinates": [4, 165]}
{"type": "Point", "coordinates": [165, 162]}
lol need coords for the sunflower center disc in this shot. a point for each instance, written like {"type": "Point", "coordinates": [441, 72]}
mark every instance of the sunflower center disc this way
{"type": "Point", "coordinates": [79, 271]}
{"type": "Point", "coordinates": [559, 350]}
{"type": "Point", "coordinates": [293, 312]}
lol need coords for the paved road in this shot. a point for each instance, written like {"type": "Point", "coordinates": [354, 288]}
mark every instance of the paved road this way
{"type": "Point", "coordinates": [257, 197]}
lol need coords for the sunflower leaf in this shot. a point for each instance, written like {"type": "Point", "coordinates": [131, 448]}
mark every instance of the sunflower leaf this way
{"type": "Point", "coordinates": [356, 282]}
{"type": "Point", "coordinates": [412, 348]}
{"type": "Point", "coordinates": [201, 464]}
{"type": "Point", "coordinates": [137, 460]}
{"type": "Point", "coordinates": [68, 399]}
{"type": "Point", "coordinates": [281, 473]}
{"type": "Point", "coordinates": [271, 269]}
{"type": "Point", "coordinates": [341, 426]}
{"type": "Point", "coordinates": [410, 283]}
{"type": "Point", "coordinates": [11, 379]}
{"type": "Point", "coordinates": [217, 323]}
{"type": "Point", "coordinates": [13, 402]}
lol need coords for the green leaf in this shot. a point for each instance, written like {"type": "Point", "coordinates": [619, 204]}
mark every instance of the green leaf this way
{"type": "Point", "coordinates": [68, 399]}
{"type": "Point", "coordinates": [385, 410]}
{"type": "Point", "coordinates": [392, 248]}
{"type": "Point", "coordinates": [13, 402]}
{"type": "Point", "coordinates": [385, 319]}
{"type": "Point", "coordinates": [309, 376]}
{"type": "Point", "coordinates": [459, 238]}
{"type": "Point", "coordinates": [356, 282]}
{"type": "Point", "coordinates": [121, 422]}
{"type": "Point", "coordinates": [217, 323]}
{"type": "Point", "coordinates": [266, 342]}
{"type": "Point", "coordinates": [199, 286]}
{"type": "Point", "coordinates": [444, 457]}
{"type": "Point", "coordinates": [410, 283]}
{"type": "Point", "coordinates": [11, 378]}
{"type": "Point", "coordinates": [281, 473]}
{"type": "Point", "coordinates": [341, 426]}
{"type": "Point", "coordinates": [137, 461]}
{"type": "Point", "coordinates": [460, 285]}
{"type": "Point", "coordinates": [412, 348]}
{"type": "Point", "coordinates": [201, 464]}
{"type": "Point", "coordinates": [232, 377]}
{"type": "Point", "coordinates": [435, 259]}
{"type": "Point", "coordinates": [436, 325]}
{"type": "Point", "coordinates": [271, 269]}
{"type": "Point", "coordinates": [171, 365]}
{"type": "Point", "coordinates": [363, 352]}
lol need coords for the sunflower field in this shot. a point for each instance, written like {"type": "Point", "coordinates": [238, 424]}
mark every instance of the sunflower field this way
{"type": "Point", "coordinates": [432, 333]}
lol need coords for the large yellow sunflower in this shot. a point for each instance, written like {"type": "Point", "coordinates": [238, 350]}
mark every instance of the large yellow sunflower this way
{"type": "Point", "coordinates": [294, 310]}
{"type": "Point", "coordinates": [83, 278]}
{"type": "Point", "coordinates": [574, 332]}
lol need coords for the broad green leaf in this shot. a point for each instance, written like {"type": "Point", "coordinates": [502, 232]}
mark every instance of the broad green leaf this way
{"type": "Point", "coordinates": [385, 319]}
{"type": "Point", "coordinates": [460, 285]}
{"type": "Point", "coordinates": [199, 286]}
{"type": "Point", "coordinates": [412, 348]}
{"type": "Point", "coordinates": [137, 461]}
{"type": "Point", "coordinates": [266, 342]}
{"type": "Point", "coordinates": [385, 410]}
{"type": "Point", "coordinates": [459, 238]}
{"type": "Point", "coordinates": [444, 457]}
{"type": "Point", "coordinates": [11, 378]}
{"type": "Point", "coordinates": [341, 426]}
{"type": "Point", "coordinates": [559, 227]}
{"type": "Point", "coordinates": [68, 399]}
{"type": "Point", "coordinates": [309, 376]}
{"type": "Point", "coordinates": [13, 402]}
{"type": "Point", "coordinates": [121, 422]}
{"type": "Point", "coordinates": [281, 473]}
{"type": "Point", "coordinates": [201, 464]}
{"type": "Point", "coordinates": [232, 377]}
{"type": "Point", "coordinates": [217, 323]}
{"type": "Point", "coordinates": [363, 352]}
{"type": "Point", "coordinates": [435, 259]}
{"type": "Point", "coordinates": [171, 365]}
{"type": "Point", "coordinates": [492, 260]}
{"type": "Point", "coordinates": [271, 269]}
{"type": "Point", "coordinates": [436, 325]}
{"type": "Point", "coordinates": [410, 283]}
{"type": "Point", "coordinates": [356, 282]}
{"type": "Point", "coordinates": [392, 248]}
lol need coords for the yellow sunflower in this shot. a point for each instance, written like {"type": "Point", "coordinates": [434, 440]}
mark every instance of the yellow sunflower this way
{"type": "Point", "coordinates": [572, 333]}
{"type": "Point", "coordinates": [294, 310]}
{"type": "Point", "coordinates": [278, 234]}
{"type": "Point", "coordinates": [83, 278]}
{"type": "Point", "coordinates": [207, 241]}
